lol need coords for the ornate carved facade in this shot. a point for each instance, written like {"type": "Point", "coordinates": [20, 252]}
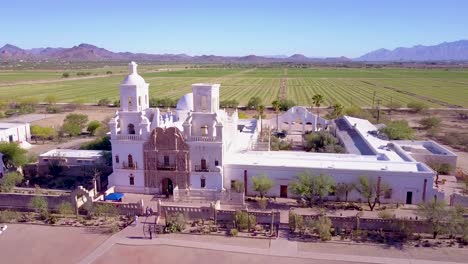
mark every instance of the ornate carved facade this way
{"type": "Point", "coordinates": [166, 157]}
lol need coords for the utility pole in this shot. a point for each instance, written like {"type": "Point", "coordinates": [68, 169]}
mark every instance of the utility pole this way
{"type": "Point", "coordinates": [373, 100]}
{"type": "Point", "coordinates": [378, 109]}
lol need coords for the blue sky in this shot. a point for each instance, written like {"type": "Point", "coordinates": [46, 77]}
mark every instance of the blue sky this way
{"type": "Point", "coordinates": [314, 28]}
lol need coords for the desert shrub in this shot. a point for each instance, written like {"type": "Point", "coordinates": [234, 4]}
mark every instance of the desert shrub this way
{"type": "Point", "coordinates": [385, 214]}
{"type": "Point", "coordinates": [2, 114]}
{"type": "Point", "coordinates": [52, 219]}
{"type": "Point", "coordinates": [65, 75]}
{"type": "Point", "coordinates": [162, 102]}
{"type": "Point", "coordinates": [457, 140]}
{"type": "Point", "coordinates": [296, 221]}
{"type": "Point", "coordinates": [430, 122]}
{"type": "Point", "coordinates": [238, 186]}
{"type": "Point", "coordinates": [417, 107]}
{"type": "Point", "coordinates": [262, 203]}
{"type": "Point", "coordinates": [65, 208]}
{"type": "Point", "coordinates": [108, 72]}
{"type": "Point", "coordinates": [104, 102]}
{"type": "Point", "coordinates": [114, 228]}
{"type": "Point", "coordinates": [8, 216]}
{"type": "Point", "coordinates": [105, 209]}
{"type": "Point", "coordinates": [279, 144]}
{"type": "Point", "coordinates": [116, 103]}
{"type": "Point", "coordinates": [10, 180]}
{"type": "Point", "coordinates": [323, 227]}
{"type": "Point", "coordinates": [322, 141]}
{"type": "Point", "coordinates": [244, 221]}
{"type": "Point", "coordinates": [285, 104]}
{"type": "Point", "coordinates": [53, 109]}
{"type": "Point", "coordinates": [102, 143]}
{"type": "Point", "coordinates": [229, 103]}
{"type": "Point", "coordinates": [233, 232]}
{"type": "Point", "coordinates": [398, 130]}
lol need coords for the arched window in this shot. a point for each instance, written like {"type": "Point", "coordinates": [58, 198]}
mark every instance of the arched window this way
{"type": "Point", "coordinates": [203, 164]}
{"type": "Point", "coordinates": [203, 103]}
{"type": "Point", "coordinates": [131, 129]}
{"type": "Point", "coordinates": [130, 161]}
{"type": "Point", "coordinates": [130, 102]}
{"type": "Point", "coordinates": [117, 160]}
{"type": "Point", "coordinates": [204, 130]}
{"type": "Point", "coordinates": [139, 100]}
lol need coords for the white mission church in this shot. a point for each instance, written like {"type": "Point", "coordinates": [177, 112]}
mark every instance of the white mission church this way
{"type": "Point", "coordinates": [204, 148]}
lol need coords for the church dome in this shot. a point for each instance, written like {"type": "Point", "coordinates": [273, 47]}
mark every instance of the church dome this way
{"type": "Point", "coordinates": [133, 78]}
{"type": "Point", "coordinates": [185, 102]}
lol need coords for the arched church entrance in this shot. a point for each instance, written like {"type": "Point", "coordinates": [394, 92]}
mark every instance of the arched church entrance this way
{"type": "Point", "coordinates": [167, 186]}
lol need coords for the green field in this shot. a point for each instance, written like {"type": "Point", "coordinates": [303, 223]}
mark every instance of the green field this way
{"type": "Point", "coordinates": [348, 86]}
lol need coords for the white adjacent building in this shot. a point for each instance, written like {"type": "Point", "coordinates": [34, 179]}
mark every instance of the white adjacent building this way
{"type": "Point", "coordinates": [15, 132]}
{"type": "Point", "coordinates": [204, 148]}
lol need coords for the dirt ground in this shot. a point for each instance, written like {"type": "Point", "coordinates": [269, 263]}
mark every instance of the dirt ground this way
{"type": "Point", "coordinates": [170, 254]}
{"type": "Point", "coordinates": [45, 244]}
{"type": "Point", "coordinates": [93, 113]}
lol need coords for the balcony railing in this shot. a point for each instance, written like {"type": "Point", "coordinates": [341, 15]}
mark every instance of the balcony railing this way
{"type": "Point", "coordinates": [203, 138]}
{"type": "Point", "coordinates": [167, 167]}
{"type": "Point", "coordinates": [126, 166]}
{"type": "Point", "coordinates": [129, 137]}
{"type": "Point", "coordinates": [200, 168]}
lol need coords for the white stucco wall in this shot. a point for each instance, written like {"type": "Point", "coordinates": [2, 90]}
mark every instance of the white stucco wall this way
{"type": "Point", "coordinates": [399, 182]}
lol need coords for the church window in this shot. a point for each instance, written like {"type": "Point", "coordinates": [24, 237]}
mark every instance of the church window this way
{"type": "Point", "coordinates": [203, 103]}
{"type": "Point", "coordinates": [131, 129]}
{"type": "Point", "coordinates": [139, 100]}
{"type": "Point", "coordinates": [130, 102]}
{"type": "Point", "coordinates": [216, 163]}
{"type": "Point", "coordinates": [130, 161]}
{"type": "Point", "coordinates": [131, 179]}
{"type": "Point", "coordinates": [202, 182]}
{"type": "Point", "coordinates": [166, 160]}
{"type": "Point", "coordinates": [204, 131]}
{"type": "Point", "coordinates": [203, 164]}
{"type": "Point", "coordinates": [117, 160]}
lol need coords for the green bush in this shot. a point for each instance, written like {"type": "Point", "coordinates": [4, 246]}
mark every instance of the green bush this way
{"type": "Point", "coordinates": [10, 180]}
{"type": "Point", "coordinates": [296, 221]}
{"type": "Point", "coordinates": [238, 186]}
{"type": "Point", "coordinates": [244, 221]}
{"type": "Point", "coordinates": [430, 122]}
{"type": "Point", "coordinates": [52, 219]}
{"type": "Point", "coordinates": [398, 130]}
{"type": "Point", "coordinates": [233, 232]}
{"type": "Point", "coordinates": [53, 109]}
{"type": "Point", "coordinates": [417, 107]}
{"type": "Point", "coordinates": [323, 226]}
{"type": "Point", "coordinates": [322, 141]}
{"type": "Point", "coordinates": [65, 208]}
{"type": "Point", "coordinates": [254, 102]}
{"type": "Point", "coordinates": [9, 216]}
{"type": "Point", "coordinates": [65, 75]}
{"type": "Point", "coordinates": [104, 102]}
{"type": "Point", "coordinates": [242, 115]}
{"type": "Point", "coordinates": [92, 126]}
{"type": "Point", "coordinates": [229, 103]}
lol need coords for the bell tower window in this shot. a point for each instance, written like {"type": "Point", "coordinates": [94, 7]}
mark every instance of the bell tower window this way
{"type": "Point", "coordinates": [204, 131]}
{"type": "Point", "coordinates": [139, 100]}
{"type": "Point", "coordinates": [131, 129]}
{"type": "Point", "coordinates": [130, 103]}
{"type": "Point", "coordinates": [130, 161]}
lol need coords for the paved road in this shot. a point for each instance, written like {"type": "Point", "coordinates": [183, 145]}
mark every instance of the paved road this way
{"type": "Point", "coordinates": [143, 250]}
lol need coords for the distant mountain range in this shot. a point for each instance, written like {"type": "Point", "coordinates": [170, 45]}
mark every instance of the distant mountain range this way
{"type": "Point", "coordinates": [447, 51]}
{"type": "Point", "coordinates": [87, 52]}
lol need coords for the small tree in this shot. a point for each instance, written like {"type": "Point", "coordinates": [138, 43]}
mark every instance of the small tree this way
{"type": "Point", "coordinates": [435, 214]}
{"type": "Point", "coordinates": [254, 102]}
{"type": "Point", "coordinates": [311, 187]}
{"type": "Point", "coordinates": [296, 221]}
{"type": "Point", "coordinates": [72, 129]}
{"type": "Point", "coordinates": [93, 126]}
{"type": "Point", "coordinates": [371, 190]}
{"type": "Point", "coordinates": [10, 180]}
{"type": "Point", "coordinates": [337, 111]}
{"type": "Point", "coordinates": [13, 154]}
{"type": "Point", "coordinates": [343, 189]}
{"type": "Point", "coordinates": [262, 184]}
{"type": "Point", "coordinates": [65, 75]}
{"type": "Point", "coordinates": [80, 119]}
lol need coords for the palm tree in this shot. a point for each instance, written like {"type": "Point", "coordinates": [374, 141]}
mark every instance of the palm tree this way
{"type": "Point", "coordinates": [260, 110]}
{"type": "Point", "coordinates": [317, 100]}
{"type": "Point", "coordinates": [276, 105]}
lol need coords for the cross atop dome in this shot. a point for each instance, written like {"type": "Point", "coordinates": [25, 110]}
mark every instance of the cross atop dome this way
{"type": "Point", "coordinates": [132, 67]}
